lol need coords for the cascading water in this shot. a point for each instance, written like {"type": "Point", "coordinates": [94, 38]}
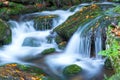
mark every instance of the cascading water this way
{"type": "Point", "coordinates": [98, 42]}
{"type": "Point", "coordinates": [78, 52]}
{"type": "Point", "coordinates": [24, 29]}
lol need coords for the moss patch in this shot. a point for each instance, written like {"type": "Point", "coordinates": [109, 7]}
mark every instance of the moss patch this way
{"type": "Point", "coordinates": [21, 72]}
{"type": "Point", "coordinates": [48, 51]}
{"type": "Point", "coordinates": [72, 70]}
{"type": "Point", "coordinates": [5, 33]}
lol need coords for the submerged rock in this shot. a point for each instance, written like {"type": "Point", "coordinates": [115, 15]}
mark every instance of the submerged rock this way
{"type": "Point", "coordinates": [44, 22]}
{"type": "Point", "coordinates": [31, 41]}
{"type": "Point", "coordinates": [5, 33]}
{"type": "Point", "coordinates": [72, 70]}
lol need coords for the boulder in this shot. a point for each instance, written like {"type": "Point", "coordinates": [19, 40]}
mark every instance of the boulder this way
{"type": "Point", "coordinates": [80, 18]}
{"type": "Point", "coordinates": [72, 70]}
{"type": "Point", "coordinates": [5, 33]}
{"type": "Point", "coordinates": [44, 22]}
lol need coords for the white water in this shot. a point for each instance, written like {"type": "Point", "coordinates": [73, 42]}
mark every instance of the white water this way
{"type": "Point", "coordinates": [25, 29]}
{"type": "Point", "coordinates": [98, 42]}
{"type": "Point", "coordinates": [78, 52]}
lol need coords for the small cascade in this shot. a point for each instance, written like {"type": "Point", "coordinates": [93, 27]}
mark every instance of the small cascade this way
{"type": "Point", "coordinates": [78, 52]}
{"type": "Point", "coordinates": [82, 45]}
{"type": "Point", "coordinates": [98, 42]}
{"type": "Point", "coordinates": [26, 40]}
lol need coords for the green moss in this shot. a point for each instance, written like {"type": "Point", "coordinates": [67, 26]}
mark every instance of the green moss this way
{"type": "Point", "coordinates": [115, 77]}
{"type": "Point", "coordinates": [58, 39]}
{"type": "Point", "coordinates": [19, 71]}
{"type": "Point", "coordinates": [5, 34]}
{"type": "Point", "coordinates": [117, 9]}
{"type": "Point", "coordinates": [80, 18]}
{"type": "Point", "coordinates": [48, 51]}
{"type": "Point", "coordinates": [72, 70]}
{"type": "Point", "coordinates": [31, 69]}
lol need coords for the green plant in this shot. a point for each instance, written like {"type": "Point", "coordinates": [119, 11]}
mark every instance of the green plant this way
{"type": "Point", "coordinates": [113, 53]}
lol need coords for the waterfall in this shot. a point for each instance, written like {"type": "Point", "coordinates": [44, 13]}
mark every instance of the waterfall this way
{"type": "Point", "coordinates": [98, 42]}
{"type": "Point", "coordinates": [26, 40]}
{"type": "Point", "coordinates": [80, 42]}
{"type": "Point", "coordinates": [78, 52]}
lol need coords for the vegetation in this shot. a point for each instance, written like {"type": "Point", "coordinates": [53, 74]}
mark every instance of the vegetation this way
{"type": "Point", "coordinates": [9, 9]}
{"type": "Point", "coordinates": [21, 72]}
{"type": "Point", "coordinates": [71, 70]}
{"type": "Point", "coordinates": [112, 53]}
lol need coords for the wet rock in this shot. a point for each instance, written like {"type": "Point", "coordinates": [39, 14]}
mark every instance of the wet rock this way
{"type": "Point", "coordinates": [5, 33]}
{"type": "Point", "coordinates": [44, 22]}
{"type": "Point", "coordinates": [108, 64]}
{"type": "Point", "coordinates": [72, 70]}
{"type": "Point", "coordinates": [21, 72]}
{"type": "Point", "coordinates": [62, 45]}
{"type": "Point", "coordinates": [31, 41]}
{"type": "Point", "coordinates": [80, 18]}
{"type": "Point", "coordinates": [48, 51]}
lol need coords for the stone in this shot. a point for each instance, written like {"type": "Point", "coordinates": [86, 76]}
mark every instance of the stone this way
{"type": "Point", "coordinates": [80, 18]}
{"type": "Point", "coordinates": [48, 51]}
{"type": "Point", "coordinates": [108, 64]}
{"type": "Point", "coordinates": [44, 22]}
{"type": "Point", "coordinates": [72, 70]}
{"type": "Point", "coordinates": [31, 41]}
{"type": "Point", "coordinates": [5, 33]}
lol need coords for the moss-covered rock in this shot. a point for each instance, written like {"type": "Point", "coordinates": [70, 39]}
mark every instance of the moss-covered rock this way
{"type": "Point", "coordinates": [44, 22]}
{"type": "Point", "coordinates": [108, 64]}
{"type": "Point", "coordinates": [5, 33]}
{"type": "Point", "coordinates": [72, 70]}
{"type": "Point", "coordinates": [21, 72]}
{"type": "Point", "coordinates": [48, 51]}
{"type": "Point", "coordinates": [81, 17]}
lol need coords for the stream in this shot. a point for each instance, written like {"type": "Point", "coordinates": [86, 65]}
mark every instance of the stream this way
{"type": "Point", "coordinates": [78, 50]}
